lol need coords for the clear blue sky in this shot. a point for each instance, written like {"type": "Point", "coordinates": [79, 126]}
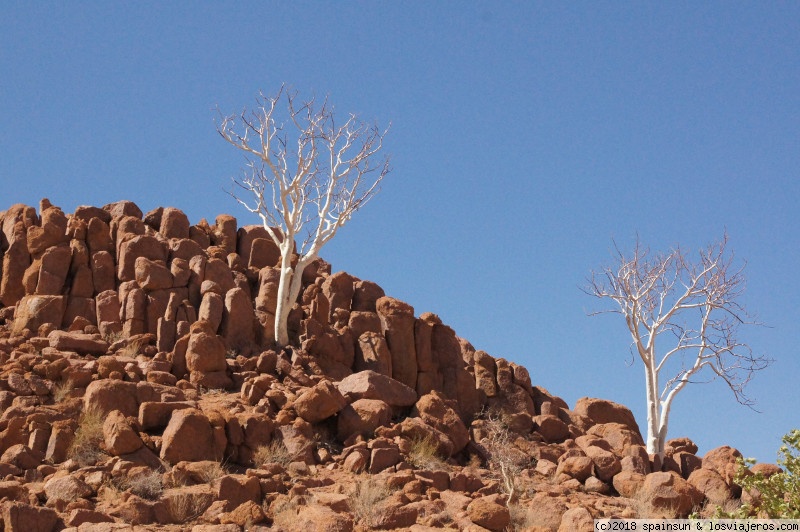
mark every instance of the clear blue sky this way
{"type": "Point", "coordinates": [526, 135]}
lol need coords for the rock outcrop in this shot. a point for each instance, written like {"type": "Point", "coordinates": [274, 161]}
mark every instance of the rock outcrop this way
{"type": "Point", "coordinates": [140, 384]}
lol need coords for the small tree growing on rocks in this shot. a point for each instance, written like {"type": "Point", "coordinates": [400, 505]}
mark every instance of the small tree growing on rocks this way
{"type": "Point", "coordinates": [695, 306]}
{"type": "Point", "coordinates": [306, 176]}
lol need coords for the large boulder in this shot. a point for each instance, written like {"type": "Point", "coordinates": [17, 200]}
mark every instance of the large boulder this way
{"type": "Point", "coordinates": [397, 322]}
{"type": "Point", "coordinates": [371, 385]}
{"type": "Point", "coordinates": [436, 412]}
{"type": "Point", "coordinates": [603, 411]}
{"type": "Point", "coordinates": [188, 437]}
{"type": "Point", "coordinates": [669, 496]}
{"type": "Point", "coordinates": [320, 402]}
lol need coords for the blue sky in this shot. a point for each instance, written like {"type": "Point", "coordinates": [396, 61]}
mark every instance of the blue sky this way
{"type": "Point", "coordinates": [525, 136]}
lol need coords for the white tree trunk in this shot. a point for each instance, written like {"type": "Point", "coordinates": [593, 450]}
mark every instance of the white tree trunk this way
{"type": "Point", "coordinates": [284, 291]}
{"type": "Point", "coordinates": [654, 440]}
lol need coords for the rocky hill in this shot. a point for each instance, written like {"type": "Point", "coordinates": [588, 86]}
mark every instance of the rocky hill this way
{"type": "Point", "coordinates": [140, 389]}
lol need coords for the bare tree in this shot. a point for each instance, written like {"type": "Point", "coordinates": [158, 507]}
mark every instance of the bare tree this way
{"type": "Point", "coordinates": [306, 176]}
{"type": "Point", "coordinates": [683, 315]}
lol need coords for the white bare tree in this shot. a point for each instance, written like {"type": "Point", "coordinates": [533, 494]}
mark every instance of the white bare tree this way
{"type": "Point", "coordinates": [306, 176]}
{"type": "Point", "coordinates": [683, 315]}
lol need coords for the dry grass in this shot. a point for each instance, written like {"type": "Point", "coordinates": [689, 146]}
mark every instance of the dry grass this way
{"type": "Point", "coordinates": [132, 348]}
{"type": "Point", "coordinates": [366, 498]}
{"type": "Point", "coordinates": [62, 390]}
{"type": "Point", "coordinates": [185, 507]}
{"type": "Point", "coordinates": [145, 485]}
{"type": "Point", "coordinates": [644, 509]}
{"type": "Point", "coordinates": [85, 449]}
{"type": "Point", "coordinates": [524, 517]}
{"type": "Point", "coordinates": [274, 452]}
{"type": "Point", "coordinates": [284, 514]}
{"type": "Point", "coordinates": [422, 455]}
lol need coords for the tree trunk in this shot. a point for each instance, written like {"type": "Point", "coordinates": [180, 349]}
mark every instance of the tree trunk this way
{"type": "Point", "coordinates": [654, 440]}
{"type": "Point", "coordinates": [284, 292]}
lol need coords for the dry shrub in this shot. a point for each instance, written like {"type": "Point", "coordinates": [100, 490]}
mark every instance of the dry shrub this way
{"type": "Point", "coordinates": [645, 510]}
{"type": "Point", "coordinates": [145, 485]}
{"type": "Point", "coordinates": [366, 499]}
{"type": "Point", "coordinates": [273, 453]}
{"type": "Point", "coordinates": [423, 455]}
{"type": "Point", "coordinates": [62, 390]}
{"type": "Point", "coordinates": [185, 507]}
{"type": "Point", "coordinates": [85, 449]}
{"type": "Point", "coordinates": [212, 471]}
{"type": "Point", "coordinates": [524, 517]}
{"type": "Point", "coordinates": [284, 513]}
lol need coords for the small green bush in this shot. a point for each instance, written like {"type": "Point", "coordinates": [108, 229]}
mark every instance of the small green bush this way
{"type": "Point", "coordinates": [778, 496]}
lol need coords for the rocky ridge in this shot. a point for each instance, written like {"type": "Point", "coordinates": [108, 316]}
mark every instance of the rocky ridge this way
{"type": "Point", "coordinates": [140, 388]}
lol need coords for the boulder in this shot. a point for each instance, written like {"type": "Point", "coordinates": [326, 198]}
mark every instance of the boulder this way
{"type": "Point", "coordinates": [85, 344]}
{"type": "Point", "coordinates": [21, 517]}
{"type": "Point", "coordinates": [397, 322]}
{"type": "Point", "coordinates": [206, 351]}
{"type": "Point", "coordinates": [710, 484]}
{"type": "Point", "coordinates": [320, 402]}
{"type": "Point", "coordinates": [119, 436]}
{"type": "Point", "coordinates": [489, 513]}
{"type": "Point", "coordinates": [604, 411]}
{"type": "Point", "coordinates": [152, 275]}
{"type": "Point", "coordinates": [188, 437]}
{"type": "Point", "coordinates": [371, 385]}
{"type": "Point", "coordinates": [669, 496]}
{"type": "Point", "coordinates": [106, 395]}
{"type": "Point", "coordinates": [434, 410]}
{"type": "Point", "coordinates": [363, 417]}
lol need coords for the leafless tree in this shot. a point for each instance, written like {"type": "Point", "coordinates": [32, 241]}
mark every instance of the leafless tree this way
{"type": "Point", "coordinates": [683, 314]}
{"type": "Point", "coordinates": [306, 176]}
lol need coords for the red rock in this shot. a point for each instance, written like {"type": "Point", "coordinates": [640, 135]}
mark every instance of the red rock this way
{"type": "Point", "coordinates": [55, 263]}
{"type": "Point", "coordinates": [67, 488]}
{"type": "Point", "coordinates": [237, 489]}
{"type": "Point", "coordinates": [371, 385]}
{"type": "Point", "coordinates": [87, 344]}
{"type": "Point", "coordinates": [224, 233]}
{"type": "Point", "coordinates": [604, 411]}
{"type": "Point", "coordinates": [577, 467]}
{"type": "Point", "coordinates": [34, 311]}
{"type": "Point", "coordinates": [628, 483]}
{"type": "Point", "coordinates": [238, 320]}
{"type": "Point", "coordinates": [365, 296]}
{"type": "Point", "coordinates": [211, 310]}
{"type": "Point", "coordinates": [363, 416]}
{"type": "Point", "coordinates": [123, 208]}
{"type": "Point", "coordinates": [106, 395]}
{"type": "Point", "coordinates": [119, 436]}
{"type": "Point", "coordinates": [188, 437]}
{"type": "Point", "coordinates": [606, 464]}
{"type": "Point", "coordinates": [382, 458]}
{"type": "Point", "coordinates": [710, 484]}
{"type": "Point", "coordinates": [21, 517]}
{"type": "Point", "coordinates": [397, 321]}
{"type": "Point", "coordinates": [372, 353]}
{"type": "Point", "coordinates": [723, 460]}
{"type": "Point", "coordinates": [141, 246]}
{"type": "Point", "coordinates": [152, 274]}
{"type": "Point", "coordinates": [22, 457]}
{"type": "Point", "coordinates": [52, 232]}
{"type": "Point", "coordinates": [619, 436]}
{"type": "Point", "coordinates": [551, 428]}
{"type": "Point", "coordinates": [433, 409]}
{"type": "Point", "coordinates": [576, 519]}
{"type": "Point", "coordinates": [668, 495]}
{"type": "Point", "coordinates": [488, 513]}
{"type": "Point", "coordinates": [320, 402]}
{"type": "Point", "coordinates": [108, 307]}
{"type": "Point", "coordinates": [338, 290]}
{"type": "Point", "coordinates": [174, 223]}
{"type": "Point", "coordinates": [206, 351]}
{"type": "Point", "coordinates": [82, 516]}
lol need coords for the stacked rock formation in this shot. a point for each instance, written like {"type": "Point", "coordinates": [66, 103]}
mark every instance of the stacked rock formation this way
{"type": "Point", "coordinates": [164, 330]}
